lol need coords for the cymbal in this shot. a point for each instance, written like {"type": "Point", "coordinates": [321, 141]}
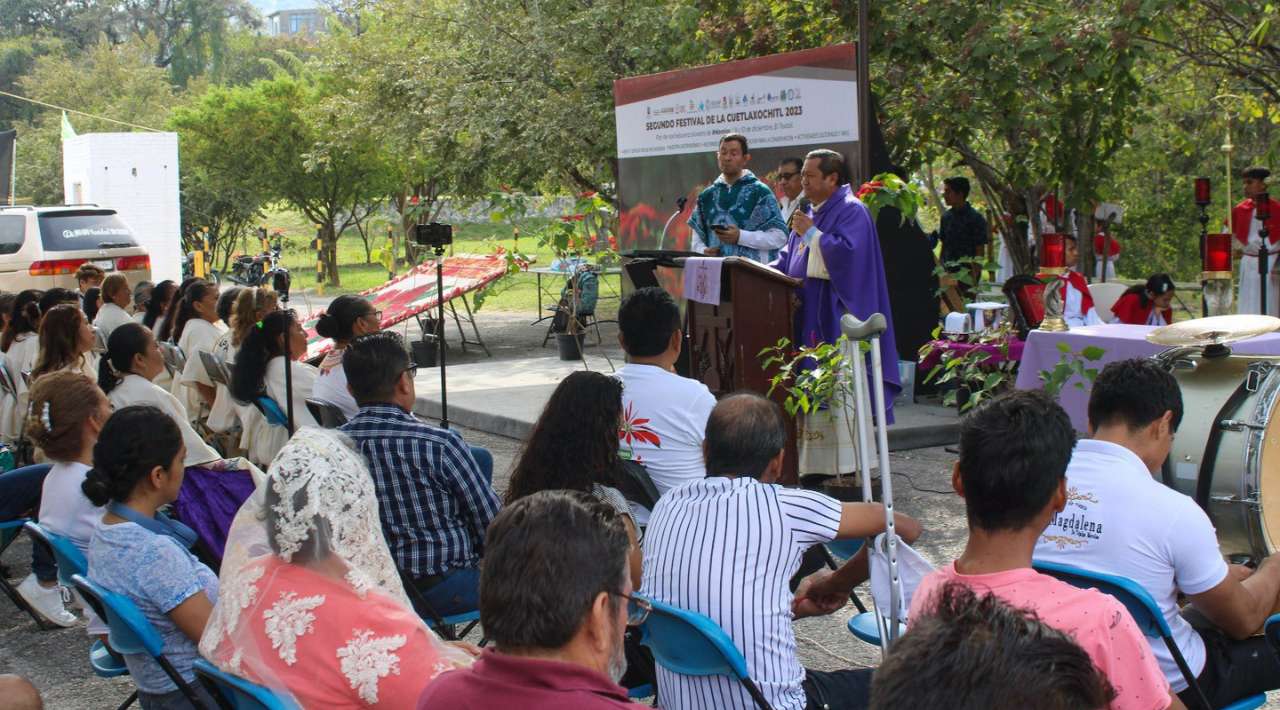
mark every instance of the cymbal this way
{"type": "Point", "coordinates": [1216, 330]}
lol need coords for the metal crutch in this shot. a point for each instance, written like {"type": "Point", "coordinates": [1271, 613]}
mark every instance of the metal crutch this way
{"type": "Point", "coordinates": [856, 331]}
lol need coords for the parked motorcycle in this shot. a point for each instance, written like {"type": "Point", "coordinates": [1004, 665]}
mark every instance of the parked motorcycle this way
{"type": "Point", "coordinates": [249, 270]}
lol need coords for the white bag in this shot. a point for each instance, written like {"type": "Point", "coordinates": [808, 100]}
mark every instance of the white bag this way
{"type": "Point", "coordinates": [912, 568]}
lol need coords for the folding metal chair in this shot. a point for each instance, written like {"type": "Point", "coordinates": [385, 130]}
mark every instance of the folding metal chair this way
{"type": "Point", "coordinates": [71, 562]}
{"type": "Point", "coordinates": [174, 359]}
{"type": "Point", "coordinates": [1147, 614]}
{"type": "Point", "coordinates": [446, 626]}
{"type": "Point", "coordinates": [328, 415]}
{"type": "Point", "coordinates": [689, 643]}
{"type": "Point", "coordinates": [213, 366]}
{"type": "Point", "coordinates": [238, 692]}
{"type": "Point", "coordinates": [130, 633]}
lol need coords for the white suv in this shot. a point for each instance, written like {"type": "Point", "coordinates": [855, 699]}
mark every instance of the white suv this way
{"type": "Point", "coordinates": [41, 247]}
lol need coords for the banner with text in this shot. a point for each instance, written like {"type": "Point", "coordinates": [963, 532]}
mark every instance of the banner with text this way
{"type": "Point", "coordinates": [669, 127]}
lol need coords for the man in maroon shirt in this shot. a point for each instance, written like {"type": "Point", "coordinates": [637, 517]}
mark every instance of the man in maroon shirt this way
{"type": "Point", "coordinates": [554, 587]}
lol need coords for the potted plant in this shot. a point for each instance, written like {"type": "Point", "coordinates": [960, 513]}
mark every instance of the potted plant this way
{"type": "Point", "coordinates": [812, 378]}
{"type": "Point", "coordinates": [577, 239]}
{"type": "Point", "coordinates": [975, 373]}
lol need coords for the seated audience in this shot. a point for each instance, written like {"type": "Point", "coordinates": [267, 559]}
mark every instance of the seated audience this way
{"type": "Point", "coordinates": [674, 409]}
{"type": "Point", "coordinates": [67, 412]}
{"type": "Point", "coordinates": [125, 374]}
{"type": "Point", "coordinates": [1146, 304]}
{"type": "Point", "coordinates": [297, 551]}
{"type": "Point", "coordinates": [563, 554]}
{"type": "Point", "coordinates": [1012, 475]}
{"type": "Point", "coordinates": [980, 653]}
{"type": "Point", "coordinates": [66, 343]}
{"type": "Point", "coordinates": [195, 331]}
{"type": "Point", "coordinates": [157, 304]}
{"type": "Point", "coordinates": [20, 498]}
{"type": "Point", "coordinates": [88, 276]}
{"type": "Point", "coordinates": [435, 500]}
{"type": "Point", "coordinates": [1077, 301]}
{"type": "Point", "coordinates": [574, 446]}
{"type": "Point", "coordinates": [260, 371]}
{"type": "Point", "coordinates": [92, 303]}
{"type": "Point", "coordinates": [348, 317]}
{"type": "Point", "coordinates": [164, 331]}
{"type": "Point", "coordinates": [57, 296]}
{"type": "Point", "coordinates": [115, 299]}
{"type": "Point", "coordinates": [727, 545]}
{"type": "Point", "coordinates": [251, 305]}
{"type": "Point", "coordinates": [141, 297]}
{"type": "Point", "coordinates": [21, 344]}
{"type": "Point", "coordinates": [139, 553]}
{"type": "Point", "coordinates": [1122, 520]}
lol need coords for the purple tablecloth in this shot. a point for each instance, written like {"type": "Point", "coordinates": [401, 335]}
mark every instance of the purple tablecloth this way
{"type": "Point", "coordinates": [943, 346]}
{"type": "Point", "coordinates": [209, 500]}
{"type": "Point", "coordinates": [1119, 342]}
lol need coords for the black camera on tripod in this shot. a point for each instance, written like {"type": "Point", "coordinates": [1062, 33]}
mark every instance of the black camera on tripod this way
{"type": "Point", "coordinates": [433, 235]}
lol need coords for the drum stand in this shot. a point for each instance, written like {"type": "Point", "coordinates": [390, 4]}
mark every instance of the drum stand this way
{"type": "Point", "coordinates": [856, 332]}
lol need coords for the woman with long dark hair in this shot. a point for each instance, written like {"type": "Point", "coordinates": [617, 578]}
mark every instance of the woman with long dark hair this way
{"type": "Point", "coordinates": [66, 343]}
{"type": "Point", "coordinates": [347, 318]}
{"type": "Point", "coordinates": [21, 344]}
{"type": "Point", "coordinates": [138, 552]}
{"type": "Point", "coordinates": [260, 370]}
{"type": "Point", "coordinates": [196, 329]}
{"type": "Point", "coordinates": [1146, 304]}
{"type": "Point", "coordinates": [164, 331]}
{"type": "Point", "coordinates": [574, 446]}
{"type": "Point", "coordinates": [161, 297]}
{"type": "Point", "coordinates": [250, 306]}
{"type": "Point", "coordinates": [126, 372]}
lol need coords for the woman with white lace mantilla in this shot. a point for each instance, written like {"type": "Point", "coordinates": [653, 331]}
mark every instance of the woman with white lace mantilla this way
{"type": "Point", "coordinates": [311, 604]}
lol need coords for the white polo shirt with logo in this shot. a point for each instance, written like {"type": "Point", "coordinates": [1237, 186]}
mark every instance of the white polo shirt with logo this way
{"type": "Point", "coordinates": [1120, 520]}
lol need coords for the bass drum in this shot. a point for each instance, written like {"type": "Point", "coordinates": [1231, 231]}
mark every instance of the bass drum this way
{"type": "Point", "coordinates": [1227, 452]}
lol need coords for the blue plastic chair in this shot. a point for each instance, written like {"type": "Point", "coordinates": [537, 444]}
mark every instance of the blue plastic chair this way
{"type": "Point", "coordinates": [9, 530]}
{"type": "Point", "coordinates": [238, 692]}
{"type": "Point", "coordinates": [689, 643]}
{"type": "Point", "coordinates": [1145, 612]}
{"type": "Point", "coordinates": [272, 411]}
{"type": "Point", "coordinates": [130, 632]}
{"type": "Point", "coordinates": [71, 562]}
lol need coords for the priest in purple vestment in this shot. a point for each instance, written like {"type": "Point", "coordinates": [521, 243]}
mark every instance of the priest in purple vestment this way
{"type": "Point", "coordinates": [840, 227]}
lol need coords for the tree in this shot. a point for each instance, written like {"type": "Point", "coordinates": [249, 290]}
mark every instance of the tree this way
{"type": "Point", "coordinates": [527, 88]}
{"type": "Point", "coordinates": [273, 138]}
{"type": "Point", "coordinates": [113, 81]}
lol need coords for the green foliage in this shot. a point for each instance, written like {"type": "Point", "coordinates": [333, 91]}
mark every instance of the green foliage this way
{"type": "Point", "coordinates": [962, 270]}
{"type": "Point", "coordinates": [811, 376]}
{"type": "Point", "coordinates": [1071, 366]}
{"type": "Point", "coordinates": [889, 190]}
{"type": "Point", "coordinates": [978, 371]}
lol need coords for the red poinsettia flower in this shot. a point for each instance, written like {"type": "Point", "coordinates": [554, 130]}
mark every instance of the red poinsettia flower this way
{"type": "Point", "coordinates": [587, 195]}
{"type": "Point", "coordinates": [634, 430]}
{"type": "Point", "coordinates": [414, 200]}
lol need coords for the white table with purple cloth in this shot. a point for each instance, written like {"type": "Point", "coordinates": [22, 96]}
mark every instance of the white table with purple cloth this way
{"type": "Point", "coordinates": [1118, 342]}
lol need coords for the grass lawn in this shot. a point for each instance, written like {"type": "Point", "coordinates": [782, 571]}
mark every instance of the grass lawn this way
{"type": "Point", "coordinates": [513, 293]}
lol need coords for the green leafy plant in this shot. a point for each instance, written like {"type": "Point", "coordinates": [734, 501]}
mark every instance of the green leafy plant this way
{"type": "Point", "coordinates": [979, 371]}
{"type": "Point", "coordinates": [809, 375]}
{"type": "Point", "coordinates": [1071, 365]}
{"type": "Point", "coordinates": [962, 271]}
{"type": "Point", "coordinates": [889, 190]}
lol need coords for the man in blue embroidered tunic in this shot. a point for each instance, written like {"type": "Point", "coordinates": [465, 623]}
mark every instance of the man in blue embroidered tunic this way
{"type": "Point", "coordinates": [737, 215]}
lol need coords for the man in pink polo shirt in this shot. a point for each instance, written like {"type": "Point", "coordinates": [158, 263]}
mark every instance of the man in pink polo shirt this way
{"type": "Point", "coordinates": [554, 595]}
{"type": "Point", "coordinates": [1014, 452]}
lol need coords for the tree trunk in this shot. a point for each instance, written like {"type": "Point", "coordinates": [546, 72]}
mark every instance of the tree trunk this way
{"type": "Point", "coordinates": [329, 253]}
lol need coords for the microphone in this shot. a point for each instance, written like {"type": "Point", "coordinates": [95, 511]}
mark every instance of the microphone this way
{"type": "Point", "coordinates": [681, 202]}
{"type": "Point", "coordinates": [801, 207]}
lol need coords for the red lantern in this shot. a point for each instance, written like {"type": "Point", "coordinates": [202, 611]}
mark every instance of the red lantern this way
{"type": "Point", "coordinates": [1053, 253]}
{"type": "Point", "coordinates": [1202, 191]}
{"type": "Point", "coordinates": [1217, 257]}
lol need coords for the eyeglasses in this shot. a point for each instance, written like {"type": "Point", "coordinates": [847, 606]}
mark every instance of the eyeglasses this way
{"type": "Point", "coordinates": [638, 608]}
{"type": "Point", "coordinates": [787, 176]}
{"type": "Point", "coordinates": [412, 369]}
{"type": "Point", "coordinates": [376, 315]}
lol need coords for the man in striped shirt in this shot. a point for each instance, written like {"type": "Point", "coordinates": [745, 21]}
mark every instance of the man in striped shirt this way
{"type": "Point", "coordinates": [434, 500]}
{"type": "Point", "coordinates": [727, 546]}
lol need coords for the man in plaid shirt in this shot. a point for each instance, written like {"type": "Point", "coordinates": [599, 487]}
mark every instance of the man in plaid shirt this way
{"type": "Point", "coordinates": [434, 499]}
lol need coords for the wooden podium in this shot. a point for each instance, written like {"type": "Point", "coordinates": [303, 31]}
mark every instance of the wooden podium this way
{"type": "Point", "coordinates": [723, 341]}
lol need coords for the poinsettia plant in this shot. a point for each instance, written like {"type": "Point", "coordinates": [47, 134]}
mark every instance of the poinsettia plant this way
{"type": "Point", "coordinates": [889, 190]}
